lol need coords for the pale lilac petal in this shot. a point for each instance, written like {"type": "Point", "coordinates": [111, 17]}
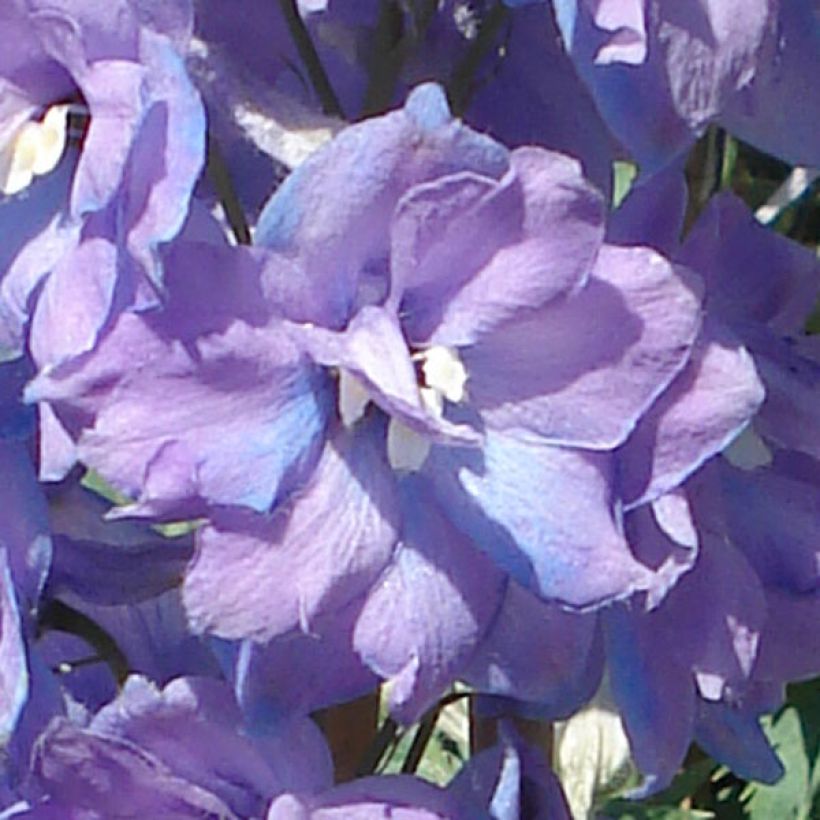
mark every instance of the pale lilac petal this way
{"type": "Point", "coordinates": [33, 238]}
{"type": "Point", "coordinates": [75, 302]}
{"type": "Point", "coordinates": [428, 612]}
{"type": "Point", "coordinates": [368, 168]}
{"type": "Point", "coordinates": [464, 217]}
{"type": "Point", "coordinates": [146, 383]}
{"type": "Point", "coordinates": [174, 128]}
{"type": "Point", "coordinates": [77, 769]}
{"type": "Point", "coordinates": [582, 371]}
{"type": "Point", "coordinates": [113, 90]}
{"type": "Point", "coordinates": [545, 514]}
{"type": "Point", "coordinates": [707, 405]}
{"type": "Point", "coordinates": [58, 452]}
{"type": "Point", "coordinates": [539, 265]}
{"type": "Point", "coordinates": [324, 549]}
{"type": "Point", "coordinates": [194, 726]}
{"type": "Point", "coordinates": [399, 797]}
{"type": "Point", "coordinates": [374, 351]}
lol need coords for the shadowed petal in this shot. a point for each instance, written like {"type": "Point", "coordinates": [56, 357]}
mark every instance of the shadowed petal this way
{"type": "Point", "coordinates": [706, 406]}
{"type": "Point", "coordinates": [544, 514]}
{"type": "Point", "coordinates": [322, 550]}
{"type": "Point", "coordinates": [583, 370]}
{"type": "Point", "coordinates": [426, 615]}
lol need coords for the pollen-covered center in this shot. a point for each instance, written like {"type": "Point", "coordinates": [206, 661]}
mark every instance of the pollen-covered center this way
{"type": "Point", "coordinates": [34, 149]}
{"type": "Point", "coordinates": [441, 376]}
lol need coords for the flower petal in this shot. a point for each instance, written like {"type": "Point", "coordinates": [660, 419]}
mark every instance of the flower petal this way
{"type": "Point", "coordinates": [704, 408]}
{"type": "Point", "coordinates": [551, 253]}
{"type": "Point", "coordinates": [432, 606]}
{"type": "Point", "coordinates": [544, 514]}
{"type": "Point", "coordinates": [323, 550]}
{"type": "Point", "coordinates": [582, 371]}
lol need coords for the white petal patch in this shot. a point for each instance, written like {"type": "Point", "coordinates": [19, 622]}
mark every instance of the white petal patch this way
{"type": "Point", "coordinates": [444, 372]}
{"type": "Point", "coordinates": [591, 754]}
{"type": "Point", "coordinates": [406, 449]}
{"type": "Point", "coordinates": [353, 398]}
{"type": "Point", "coordinates": [748, 451]}
{"type": "Point", "coordinates": [35, 150]}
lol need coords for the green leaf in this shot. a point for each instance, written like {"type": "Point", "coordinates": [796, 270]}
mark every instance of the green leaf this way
{"type": "Point", "coordinates": [791, 796]}
{"type": "Point", "coordinates": [623, 175]}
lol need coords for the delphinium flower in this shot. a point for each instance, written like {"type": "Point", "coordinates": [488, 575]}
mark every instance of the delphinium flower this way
{"type": "Point", "coordinates": [268, 109]}
{"type": "Point", "coordinates": [25, 545]}
{"type": "Point", "coordinates": [184, 750]}
{"type": "Point", "coordinates": [416, 341]}
{"type": "Point", "coordinates": [705, 661]}
{"type": "Point", "coordinates": [102, 141]}
{"type": "Point", "coordinates": [699, 654]}
{"type": "Point", "coordinates": [660, 73]}
{"type": "Point", "coordinates": [171, 752]}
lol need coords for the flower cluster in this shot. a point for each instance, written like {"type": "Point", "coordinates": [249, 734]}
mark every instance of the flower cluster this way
{"type": "Point", "coordinates": [332, 359]}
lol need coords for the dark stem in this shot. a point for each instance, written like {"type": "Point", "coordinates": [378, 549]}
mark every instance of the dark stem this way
{"type": "Point", "coordinates": [310, 57]}
{"type": "Point", "coordinates": [60, 617]}
{"type": "Point", "coordinates": [385, 737]}
{"type": "Point", "coordinates": [392, 42]}
{"type": "Point", "coordinates": [461, 86]}
{"type": "Point", "coordinates": [223, 185]}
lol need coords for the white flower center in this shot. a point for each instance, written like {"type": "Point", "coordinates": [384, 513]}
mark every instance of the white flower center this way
{"type": "Point", "coordinates": [443, 376]}
{"type": "Point", "coordinates": [34, 150]}
{"type": "Point", "coordinates": [353, 398]}
{"type": "Point", "coordinates": [444, 372]}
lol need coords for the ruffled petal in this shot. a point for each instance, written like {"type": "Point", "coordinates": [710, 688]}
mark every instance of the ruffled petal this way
{"type": "Point", "coordinates": [333, 213]}
{"type": "Point", "coordinates": [584, 370]}
{"type": "Point", "coordinates": [545, 514]}
{"type": "Point", "coordinates": [704, 408]}
{"type": "Point", "coordinates": [319, 553]}
{"type": "Point", "coordinates": [559, 235]}
{"type": "Point", "coordinates": [430, 609]}
{"type": "Point", "coordinates": [183, 405]}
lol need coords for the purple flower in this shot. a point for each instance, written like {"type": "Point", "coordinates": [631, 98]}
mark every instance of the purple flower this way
{"type": "Point", "coordinates": [701, 656]}
{"type": "Point", "coordinates": [180, 750]}
{"type": "Point", "coordinates": [107, 92]}
{"type": "Point", "coordinates": [416, 338]}
{"type": "Point", "coordinates": [661, 73]}
{"type": "Point", "coordinates": [411, 294]}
